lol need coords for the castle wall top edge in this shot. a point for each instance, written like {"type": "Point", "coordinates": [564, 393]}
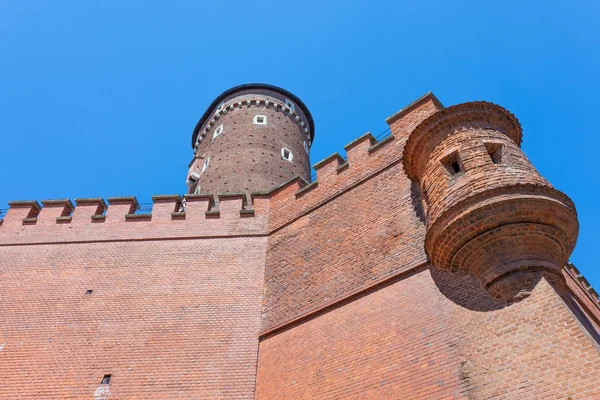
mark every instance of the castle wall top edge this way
{"type": "Point", "coordinates": [411, 106]}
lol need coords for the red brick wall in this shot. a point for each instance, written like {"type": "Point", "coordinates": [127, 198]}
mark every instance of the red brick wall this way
{"type": "Point", "coordinates": [365, 235]}
{"type": "Point", "coordinates": [421, 338]}
{"type": "Point", "coordinates": [361, 222]}
{"type": "Point", "coordinates": [167, 318]}
{"type": "Point", "coordinates": [350, 308]}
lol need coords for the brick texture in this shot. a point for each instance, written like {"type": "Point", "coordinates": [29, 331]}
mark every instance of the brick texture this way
{"type": "Point", "coordinates": [427, 265]}
{"type": "Point", "coordinates": [421, 338]}
{"type": "Point", "coordinates": [168, 319]}
{"type": "Point", "coordinates": [489, 211]}
{"type": "Point", "coordinates": [246, 157]}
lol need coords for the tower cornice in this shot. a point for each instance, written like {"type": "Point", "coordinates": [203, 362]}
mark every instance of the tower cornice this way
{"type": "Point", "coordinates": [252, 86]}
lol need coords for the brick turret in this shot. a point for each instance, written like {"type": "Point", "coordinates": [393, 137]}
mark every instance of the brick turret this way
{"type": "Point", "coordinates": [488, 211]}
{"type": "Point", "coordinates": [252, 138]}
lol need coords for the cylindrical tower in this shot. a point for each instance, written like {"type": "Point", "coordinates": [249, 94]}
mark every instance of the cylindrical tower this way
{"type": "Point", "coordinates": [488, 211]}
{"type": "Point", "coordinates": [252, 138]}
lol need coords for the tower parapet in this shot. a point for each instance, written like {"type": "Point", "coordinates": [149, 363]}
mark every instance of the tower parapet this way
{"type": "Point", "coordinates": [488, 211]}
{"type": "Point", "coordinates": [252, 138]}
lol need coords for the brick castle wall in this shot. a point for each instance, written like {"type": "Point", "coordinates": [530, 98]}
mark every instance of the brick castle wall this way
{"type": "Point", "coordinates": [313, 290]}
{"type": "Point", "coordinates": [418, 337]}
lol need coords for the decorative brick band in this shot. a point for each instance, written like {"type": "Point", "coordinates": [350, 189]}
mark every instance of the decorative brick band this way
{"type": "Point", "coordinates": [269, 103]}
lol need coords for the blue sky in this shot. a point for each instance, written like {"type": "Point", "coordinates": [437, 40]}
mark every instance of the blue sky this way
{"type": "Point", "coordinates": [99, 98]}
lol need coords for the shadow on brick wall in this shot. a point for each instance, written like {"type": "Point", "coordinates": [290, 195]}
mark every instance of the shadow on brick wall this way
{"type": "Point", "coordinates": [464, 290]}
{"type": "Point", "coordinates": [416, 200]}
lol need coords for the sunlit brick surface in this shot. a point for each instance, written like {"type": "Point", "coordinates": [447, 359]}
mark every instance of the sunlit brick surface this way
{"type": "Point", "coordinates": [427, 265]}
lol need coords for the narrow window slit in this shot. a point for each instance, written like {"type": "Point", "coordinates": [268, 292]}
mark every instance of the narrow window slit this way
{"type": "Point", "coordinates": [89, 291]}
{"type": "Point", "coordinates": [105, 380]}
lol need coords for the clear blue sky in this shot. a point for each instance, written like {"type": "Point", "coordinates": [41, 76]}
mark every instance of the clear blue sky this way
{"type": "Point", "coordinates": [99, 98]}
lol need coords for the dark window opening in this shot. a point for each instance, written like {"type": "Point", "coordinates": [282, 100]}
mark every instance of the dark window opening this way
{"type": "Point", "coordinates": [89, 291]}
{"type": "Point", "coordinates": [495, 152]}
{"type": "Point", "coordinates": [455, 167]}
{"type": "Point", "coordinates": [452, 164]}
{"type": "Point", "coordinates": [105, 380]}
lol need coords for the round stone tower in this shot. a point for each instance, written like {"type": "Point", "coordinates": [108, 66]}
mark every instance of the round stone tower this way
{"type": "Point", "coordinates": [252, 138]}
{"type": "Point", "coordinates": [488, 211]}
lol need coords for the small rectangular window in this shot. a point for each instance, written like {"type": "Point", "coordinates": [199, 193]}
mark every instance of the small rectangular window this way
{"type": "Point", "coordinates": [218, 131]}
{"type": "Point", "coordinates": [260, 120]}
{"type": "Point", "coordinates": [105, 380]}
{"type": "Point", "coordinates": [89, 291]}
{"type": "Point", "coordinates": [205, 164]}
{"type": "Point", "coordinates": [452, 164]}
{"type": "Point", "coordinates": [289, 104]}
{"type": "Point", "coordinates": [495, 152]}
{"type": "Point", "coordinates": [286, 154]}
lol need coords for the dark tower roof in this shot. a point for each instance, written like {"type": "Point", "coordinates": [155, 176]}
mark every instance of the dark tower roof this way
{"type": "Point", "coordinates": [227, 93]}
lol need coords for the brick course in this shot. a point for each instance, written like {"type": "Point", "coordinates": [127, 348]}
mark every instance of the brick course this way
{"type": "Point", "coordinates": [320, 290]}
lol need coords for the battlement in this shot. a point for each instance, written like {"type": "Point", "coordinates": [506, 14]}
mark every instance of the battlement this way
{"type": "Point", "coordinates": [432, 251]}
{"type": "Point", "coordinates": [366, 157]}
{"type": "Point", "coordinates": [118, 218]}
{"type": "Point", "coordinates": [96, 219]}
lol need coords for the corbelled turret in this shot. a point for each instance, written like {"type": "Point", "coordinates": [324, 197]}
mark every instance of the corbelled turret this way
{"type": "Point", "coordinates": [489, 212]}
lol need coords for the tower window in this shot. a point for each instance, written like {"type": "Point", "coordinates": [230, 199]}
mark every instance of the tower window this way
{"type": "Point", "coordinates": [205, 164]}
{"type": "Point", "coordinates": [218, 131]}
{"type": "Point", "coordinates": [495, 152]}
{"type": "Point", "coordinates": [105, 380]}
{"type": "Point", "coordinates": [290, 105]}
{"type": "Point", "coordinates": [306, 147]}
{"type": "Point", "coordinates": [192, 179]}
{"type": "Point", "coordinates": [452, 164]}
{"type": "Point", "coordinates": [260, 119]}
{"type": "Point", "coordinates": [89, 291]}
{"type": "Point", "coordinates": [220, 106]}
{"type": "Point", "coordinates": [287, 154]}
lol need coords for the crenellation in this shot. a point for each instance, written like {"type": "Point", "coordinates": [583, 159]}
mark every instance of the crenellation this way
{"type": "Point", "coordinates": [119, 207]}
{"type": "Point", "coordinates": [21, 211]}
{"type": "Point", "coordinates": [231, 205]}
{"type": "Point", "coordinates": [87, 208]}
{"type": "Point", "coordinates": [357, 150]}
{"type": "Point", "coordinates": [313, 185]}
{"type": "Point", "coordinates": [379, 144]}
{"type": "Point", "coordinates": [165, 205]}
{"type": "Point", "coordinates": [55, 210]}
{"type": "Point", "coordinates": [328, 166]}
{"type": "Point", "coordinates": [91, 220]}
{"type": "Point", "coordinates": [427, 264]}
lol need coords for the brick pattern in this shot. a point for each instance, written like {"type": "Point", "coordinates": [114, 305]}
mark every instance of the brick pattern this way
{"type": "Point", "coordinates": [362, 222]}
{"type": "Point", "coordinates": [489, 212]}
{"type": "Point", "coordinates": [88, 224]}
{"type": "Point", "coordinates": [446, 345]}
{"type": "Point", "coordinates": [168, 319]}
{"type": "Point", "coordinates": [344, 245]}
{"type": "Point", "coordinates": [331, 277]}
{"type": "Point", "coordinates": [246, 157]}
